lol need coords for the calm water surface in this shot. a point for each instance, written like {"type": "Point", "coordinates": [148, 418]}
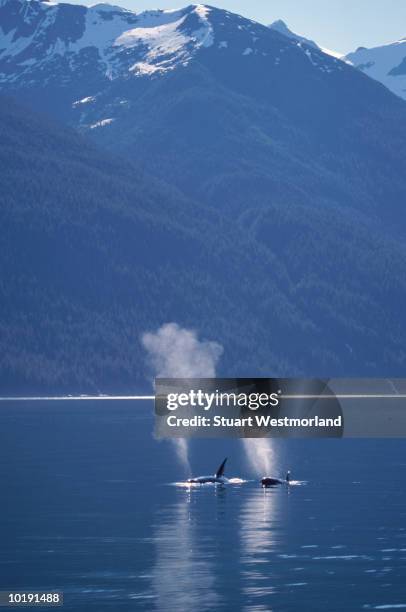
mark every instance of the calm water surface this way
{"type": "Point", "coordinates": [89, 507]}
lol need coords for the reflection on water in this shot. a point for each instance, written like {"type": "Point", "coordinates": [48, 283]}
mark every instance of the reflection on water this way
{"type": "Point", "coordinates": [193, 536]}
{"type": "Point", "coordinates": [260, 534]}
{"type": "Point", "coordinates": [182, 575]}
{"type": "Point", "coordinates": [87, 510]}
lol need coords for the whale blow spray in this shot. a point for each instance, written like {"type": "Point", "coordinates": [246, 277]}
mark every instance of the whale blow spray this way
{"type": "Point", "coordinates": [260, 454]}
{"type": "Point", "coordinates": [176, 352]}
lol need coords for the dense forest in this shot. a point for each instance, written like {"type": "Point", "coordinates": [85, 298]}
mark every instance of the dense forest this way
{"type": "Point", "coordinates": [94, 252]}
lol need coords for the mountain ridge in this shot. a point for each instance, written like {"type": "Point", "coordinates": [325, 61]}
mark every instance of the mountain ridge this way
{"type": "Point", "coordinates": [122, 41]}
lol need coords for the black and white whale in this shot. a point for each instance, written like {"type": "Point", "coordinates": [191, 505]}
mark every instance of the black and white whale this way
{"type": "Point", "coordinates": [218, 477]}
{"type": "Point", "coordinates": [267, 481]}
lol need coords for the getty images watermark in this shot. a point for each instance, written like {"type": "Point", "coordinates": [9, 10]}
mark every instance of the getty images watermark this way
{"type": "Point", "coordinates": [270, 407]}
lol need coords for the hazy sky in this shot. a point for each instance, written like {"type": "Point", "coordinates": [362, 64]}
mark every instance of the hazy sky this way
{"type": "Point", "coordinates": [341, 25]}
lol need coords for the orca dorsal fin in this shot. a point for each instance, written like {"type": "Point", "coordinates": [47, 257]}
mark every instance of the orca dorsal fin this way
{"type": "Point", "coordinates": [220, 471]}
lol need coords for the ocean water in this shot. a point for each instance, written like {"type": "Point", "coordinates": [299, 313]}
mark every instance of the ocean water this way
{"type": "Point", "coordinates": [90, 507]}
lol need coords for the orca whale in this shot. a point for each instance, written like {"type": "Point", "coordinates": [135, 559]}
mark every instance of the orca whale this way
{"type": "Point", "coordinates": [266, 481]}
{"type": "Point", "coordinates": [218, 477]}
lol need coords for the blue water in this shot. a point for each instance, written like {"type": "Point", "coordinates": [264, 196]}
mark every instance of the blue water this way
{"type": "Point", "coordinates": [88, 507]}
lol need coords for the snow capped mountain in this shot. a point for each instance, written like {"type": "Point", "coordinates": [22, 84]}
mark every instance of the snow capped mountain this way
{"type": "Point", "coordinates": [43, 43]}
{"type": "Point", "coordinates": [386, 64]}
{"type": "Point", "coordinates": [46, 38]}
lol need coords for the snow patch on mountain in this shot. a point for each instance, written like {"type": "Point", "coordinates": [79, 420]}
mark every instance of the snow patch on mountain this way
{"type": "Point", "coordinates": [335, 54]}
{"type": "Point", "coordinates": [86, 100]}
{"type": "Point", "coordinates": [206, 33]}
{"type": "Point", "coordinates": [99, 31]}
{"type": "Point", "coordinates": [167, 39]}
{"type": "Point", "coordinates": [102, 123]}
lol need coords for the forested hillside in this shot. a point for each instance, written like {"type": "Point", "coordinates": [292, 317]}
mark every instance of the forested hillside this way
{"type": "Point", "coordinates": [94, 253]}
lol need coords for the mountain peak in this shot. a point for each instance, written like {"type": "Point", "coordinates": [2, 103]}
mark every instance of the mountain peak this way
{"type": "Point", "coordinates": [280, 26]}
